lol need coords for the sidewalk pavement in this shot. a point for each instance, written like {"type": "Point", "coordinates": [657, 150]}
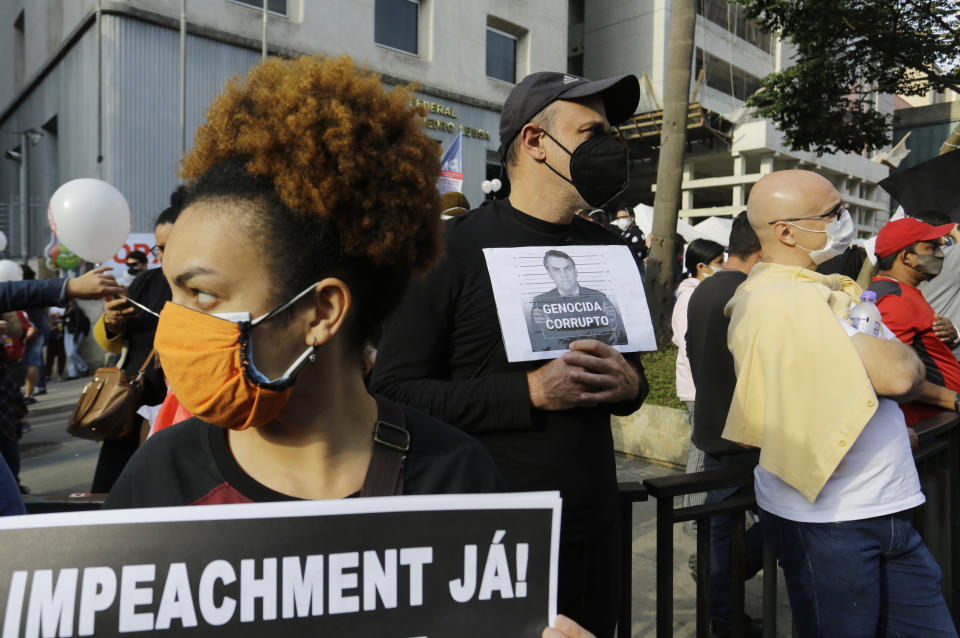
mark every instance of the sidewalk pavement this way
{"type": "Point", "coordinates": [54, 462]}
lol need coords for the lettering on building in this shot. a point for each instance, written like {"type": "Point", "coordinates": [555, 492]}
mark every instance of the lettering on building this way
{"type": "Point", "coordinates": [437, 124]}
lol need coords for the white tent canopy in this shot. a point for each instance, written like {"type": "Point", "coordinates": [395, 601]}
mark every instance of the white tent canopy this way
{"type": "Point", "coordinates": [643, 216]}
{"type": "Point", "coordinates": [716, 229]}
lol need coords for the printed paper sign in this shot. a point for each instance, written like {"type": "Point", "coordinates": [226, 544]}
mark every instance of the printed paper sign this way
{"type": "Point", "coordinates": [425, 566]}
{"type": "Point", "coordinates": [550, 296]}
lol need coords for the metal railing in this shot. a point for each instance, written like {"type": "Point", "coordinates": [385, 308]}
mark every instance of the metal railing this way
{"type": "Point", "coordinates": [630, 493]}
{"type": "Point", "coordinates": [52, 503]}
{"type": "Point", "coordinates": [666, 489]}
{"type": "Point", "coordinates": [937, 521]}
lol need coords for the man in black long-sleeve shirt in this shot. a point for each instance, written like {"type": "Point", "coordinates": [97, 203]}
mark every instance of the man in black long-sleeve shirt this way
{"type": "Point", "coordinates": [546, 426]}
{"type": "Point", "coordinates": [711, 365]}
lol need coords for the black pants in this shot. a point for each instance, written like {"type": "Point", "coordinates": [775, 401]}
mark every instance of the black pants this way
{"type": "Point", "coordinates": [10, 449]}
{"type": "Point", "coordinates": [113, 458]}
{"type": "Point", "coordinates": [589, 586]}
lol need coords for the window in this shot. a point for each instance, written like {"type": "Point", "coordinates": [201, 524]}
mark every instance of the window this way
{"type": "Point", "coordinates": [721, 75]}
{"type": "Point", "coordinates": [501, 55]}
{"type": "Point", "coordinates": [730, 16]}
{"type": "Point", "coordinates": [278, 7]}
{"type": "Point", "coordinates": [396, 23]}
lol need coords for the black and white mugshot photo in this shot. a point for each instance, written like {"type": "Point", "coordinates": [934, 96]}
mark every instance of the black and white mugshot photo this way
{"type": "Point", "coordinates": [549, 297]}
{"type": "Point", "coordinates": [570, 310]}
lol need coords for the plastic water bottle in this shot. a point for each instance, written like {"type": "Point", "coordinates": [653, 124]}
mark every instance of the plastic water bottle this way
{"type": "Point", "coordinates": [865, 316]}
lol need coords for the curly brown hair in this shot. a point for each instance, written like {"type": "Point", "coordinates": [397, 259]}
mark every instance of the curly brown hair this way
{"type": "Point", "coordinates": [336, 145]}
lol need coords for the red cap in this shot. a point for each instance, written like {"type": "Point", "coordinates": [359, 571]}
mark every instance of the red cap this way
{"type": "Point", "coordinates": [899, 234]}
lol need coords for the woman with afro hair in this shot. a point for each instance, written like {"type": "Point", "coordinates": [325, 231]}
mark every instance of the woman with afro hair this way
{"type": "Point", "coordinates": [310, 201]}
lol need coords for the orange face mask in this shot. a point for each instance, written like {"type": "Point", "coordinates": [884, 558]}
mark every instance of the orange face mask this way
{"type": "Point", "coordinates": [206, 359]}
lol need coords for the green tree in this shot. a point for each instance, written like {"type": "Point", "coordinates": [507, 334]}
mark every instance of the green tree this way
{"type": "Point", "coordinates": [848, 51]}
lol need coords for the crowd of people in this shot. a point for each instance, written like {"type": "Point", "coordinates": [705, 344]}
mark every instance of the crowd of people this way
{"type": "Point", "coordinates": [313, 306]}
{"type": "Point", "coordinates": [822, 413]}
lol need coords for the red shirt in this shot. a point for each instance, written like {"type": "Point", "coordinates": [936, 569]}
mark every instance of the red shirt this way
{"type": "Point", "coordinates": [910, 317]}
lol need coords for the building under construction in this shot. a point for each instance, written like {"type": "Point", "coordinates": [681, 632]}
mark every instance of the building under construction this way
{"type": "Point", "coordinates": [728, 149]}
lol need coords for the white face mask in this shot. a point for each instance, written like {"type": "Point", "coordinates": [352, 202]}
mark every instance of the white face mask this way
{"type": "Point", "coordinates": [840, 233]}
{"type": "Point", "coordinates": [623, 223]}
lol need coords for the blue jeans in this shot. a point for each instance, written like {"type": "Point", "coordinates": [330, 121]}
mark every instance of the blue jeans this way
{"type": "Point", "coordinates": [76, 366]}
{"type": "Point", "coordinates": [859, 579]}
{"type": "Point", "coordinates": [721, 536]}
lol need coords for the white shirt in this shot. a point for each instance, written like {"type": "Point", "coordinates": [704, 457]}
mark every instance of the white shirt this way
{"type": "Point", "coordinates": [686, 390]}
{"type": "Point", "coordinates": [876, 477]}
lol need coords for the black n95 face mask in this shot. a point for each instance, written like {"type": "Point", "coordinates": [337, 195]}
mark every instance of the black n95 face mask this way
{"type": "Point", "coordinates": [599, 168]}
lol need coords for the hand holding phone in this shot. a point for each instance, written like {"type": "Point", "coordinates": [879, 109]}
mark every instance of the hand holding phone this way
{"type": "Point", "coordinates": [116, 311]}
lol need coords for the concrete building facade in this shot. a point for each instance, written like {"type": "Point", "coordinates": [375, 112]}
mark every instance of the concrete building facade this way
{"type": "Point", "coordinates": [928, 126]}
{"type": "Point", "coordinates": [99, 91]}
{"type": "Point", "coordinates": [736, 149]}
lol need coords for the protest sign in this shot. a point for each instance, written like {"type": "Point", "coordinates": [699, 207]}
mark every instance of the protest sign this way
{"type": "Point", "coordinates": [413, 566]}
{"type": "Point", "coordinates": [550, 296]}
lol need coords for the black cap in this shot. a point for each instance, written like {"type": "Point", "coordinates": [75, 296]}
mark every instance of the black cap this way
{"type": "Point", "coordinates": [620, 96]}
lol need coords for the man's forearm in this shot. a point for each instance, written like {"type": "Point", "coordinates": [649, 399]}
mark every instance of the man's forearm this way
{"type": "Point", "coordinates": [21, 295]}
{"type": "Point", "coordinates": [894, 369]}
{"type": "Point", "coordinates": [936, 395]}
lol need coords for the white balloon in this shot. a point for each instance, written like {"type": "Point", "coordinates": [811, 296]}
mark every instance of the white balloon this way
{"type": "Point", "coordinates": [3, 241]}
{"type": "Point", "coordinates": [10, 270]}
{"type": "Point", "coordinates": [495, 185]}
{"type": "Point", "coordinates": [90, 217]}
{"type": "Point", "coordinates": [485, 186]}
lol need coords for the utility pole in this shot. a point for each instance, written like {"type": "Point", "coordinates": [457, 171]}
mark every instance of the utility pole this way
{"type": "Point", "coordinates": [666, 203]}
{"type": "Point", "coordinates": [183, 78]}
{"type": "Point", "coordinates": [263, 35]}
{"type": "Point", "coordinates": [24, 194]}
{"type": "Point", "coordinates": [99, 90]}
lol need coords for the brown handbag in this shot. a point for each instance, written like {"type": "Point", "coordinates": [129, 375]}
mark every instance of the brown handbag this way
{"type": "Point", "coordinates": [108, 404]}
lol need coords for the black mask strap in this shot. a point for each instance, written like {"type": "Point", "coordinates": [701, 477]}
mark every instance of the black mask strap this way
{"type": "Point", "coordinates": [558, 173]}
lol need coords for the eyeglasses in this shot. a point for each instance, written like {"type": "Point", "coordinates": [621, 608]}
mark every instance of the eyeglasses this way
{"type": "Point", "coordinates": [833, 213]}
{"type": "Point", "coordinates": [156, 251]}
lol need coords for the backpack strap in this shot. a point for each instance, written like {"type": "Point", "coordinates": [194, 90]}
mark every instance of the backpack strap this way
{"type": "Point", "coordinates": [391, 442]}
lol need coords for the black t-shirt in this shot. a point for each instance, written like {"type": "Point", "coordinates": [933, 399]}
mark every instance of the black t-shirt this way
{"type": "Point", "coordinates": [442, 351]}
{"type": "Point", "coordinates": [848, 263]}
{"type": "Point", "coordinates": [190, 463]}
{"type": "Point", "coordinates": [710, 361]}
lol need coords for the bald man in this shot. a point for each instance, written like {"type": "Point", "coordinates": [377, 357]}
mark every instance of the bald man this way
{"type": "Point", "coordinates": [836, 479]}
